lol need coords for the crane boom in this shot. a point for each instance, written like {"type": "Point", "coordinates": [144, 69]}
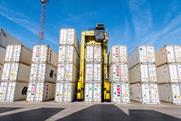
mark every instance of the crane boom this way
{"type": "Point", "coordinates": [42, 20]}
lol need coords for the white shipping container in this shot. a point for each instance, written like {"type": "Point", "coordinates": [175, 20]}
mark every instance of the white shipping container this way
{"type": "Point", "coordinates": [42, 72]}
{"type": "Point", "coordinates": [67, 72]}
{"type": "Point", "coordinates": [118, 73]}
{"type": "Point", "coordinates": [118, 54]}
{"type": "Point", "coordinates": [68, 37]}
{"type": "Point", "coordinates": [93, 72]}
{"type": "Point", "coordinates": [2, 55]}
{"type": "Point", "coordinates": [6, 39]}
{"type": "Point", "coordinates": [168, 54]}
{"type": "Point", "coordinates": [142, 54]}
{"type": "Point", "coordinates": [144, 93]}
{"type": "Point", "coordinates": [120, 93]}
{"type": "Point", "coordinates": [143, 73]}
{"type": "Point", "coordinates": [170, 93]}
{"type": "Point", "coordinates": [68, 54]}
{"type": "Point", "coordinates": [169, 73]}
{"type": "Point", "coordinates": [93, 92]}
{"type": "Point", "coordinates": [43, 54]}
{"type": "Point", "coordinates": [18, 53]}
{"type": "Point", "coordinates": [39, 92]}
{"type": "Point", "coordinates": [13, 91]}
{"type": "Point", "coordinates": [65, 92]}
{"type": "Point", "coordinates": [93, 53]}
{"type": "Point", "coordinates": [15, 72]}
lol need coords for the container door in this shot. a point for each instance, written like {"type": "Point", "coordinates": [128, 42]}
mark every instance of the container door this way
{"type": "Point", "coordinates": [14, 72]}
{"type": "Point", "coordinates": [96, 92]}
{"type": "Point", "coordinates": [179, 72]}
{"type": "Point", "coordinates": [173, 73]}
{"type": "Point", "coordinates": [176, 93]}
{"type": "Point", "coordinates": [88, 92]}
{"type": "Point", "coordinates": [142, 54]}
{"type": "Point", "coordinates": [124, 73]}
{"type": "Point", "coordinates": [125, 93]}
{"type": "Point", "coordinates": [144, 73]}
{"type": "Point", "coordinates": [151, 54]}
{"type": "Point", "coordinates": [59, 92]}
{"type": "Point", "coordinates": [154, 94]}
{"type": "Point", "coordinates": [89, 72]}
{"type": "Point", "coordinates": [6, 71]}
{"type": "Point", "coordinates": [152, 73]}
{"type": "Point", "coordinates": [97, 72]}
{"type": "Point", "coordinates": [170, 54]}
{"type": "Point", "coordinates": [145, 94]}
{"type": "Point", "coordinates": [177, 53]}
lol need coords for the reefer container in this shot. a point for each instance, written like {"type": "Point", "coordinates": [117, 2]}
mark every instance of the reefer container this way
{"type": "Point", "coordinates": [170, 93]}
{"type": "Point", "coordinates": [15, 72]}
{"type": "Point", "coordinates": [2, 55]}
{"type": "Point", "coordinates": [118, 73]}
{"type": "Point", "coordinates": [169, 73]}
{"type": "Point", "coordinates": [69, 37]}
{"type": "Point", "coordinates": [93, 53]}
{"type": "Point", "coordinates": [67, 72]}
{"type": "Point", "coordinates": [42, 72]}
{"type": "Point", "coordinates": [118, 54]}
{"type": "Point", "coordinates": [168, 54]}
{"type": "Point", "coordinates": [143, 73]}
{"type": "Point", "coordinates": [120, 93]}
{"type": "Point", "coordinates": [18, 53]}
{"type": "Point", "coordinates": [39, 92]}
{"type": "Point", "coordinates": [6, 39]}
{"type": "Point", "coordinates": [68, 54]}
{"type": "Point", "coordinates": [13, 91]}
{"type": "Point", "coordinates": [93, 92]}
{"type": "Point", "coordinates": [65, 92]}
{"type": "Point", "coordinates": [93, 72]}
{"type": "Point", "coordinates": [43, 54]}
{"type": "Point", "coordinates": [142, 54]}
{"type": "Point", "coordinates": [144, 93]}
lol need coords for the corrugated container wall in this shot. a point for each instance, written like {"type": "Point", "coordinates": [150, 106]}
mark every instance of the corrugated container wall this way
{"type": "Point", "coordinates": [168, 54]}
{"type": "Point", "coordinates": [145, 93]}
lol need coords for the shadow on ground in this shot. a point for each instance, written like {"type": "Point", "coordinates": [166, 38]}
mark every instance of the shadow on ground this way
{"type": "Point", "coordinates": [113, 113]}
{"type": "Point", "coordinates": [40, 114]}
{"type": "Point", "coordinates": [6, 109]}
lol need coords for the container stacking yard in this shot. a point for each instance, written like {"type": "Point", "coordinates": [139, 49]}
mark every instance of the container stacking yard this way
{"type": "Point", "coordinates": [88, 73]}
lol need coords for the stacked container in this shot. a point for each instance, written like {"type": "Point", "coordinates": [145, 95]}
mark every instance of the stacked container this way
{"type": "Point", "coordinates": [16, 70]}
{"type": "Point", "coordinates": [93, 73]}
{"type": "Point", "coordinates": [68, 66]}
{"type": "Point", "coordinates": [118, 75]}
{"type": "Point", "coordinates": [142, 73]}
{"type": "Point", "coordinates": [42, 75]}
{"type": "Point", "coordinates": [168, 61]}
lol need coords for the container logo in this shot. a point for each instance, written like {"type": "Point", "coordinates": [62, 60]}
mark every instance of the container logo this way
{"type": "Point", "coordinates": [24, 91]}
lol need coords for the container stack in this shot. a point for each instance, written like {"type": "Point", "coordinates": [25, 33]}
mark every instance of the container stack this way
{"type": "Point", "coordinates": [93, 73]}
{"type": "Point", "coordinates": [168, 61]}
{"type": "Point", "coordinates": [118, 75]}
{"type": "Point", "coordinates": [42, 75]}
{"type": "Point", "coordinates": [16, 70]}
{"type": "Point", "coordinates": [68, 66]}
{"type": "Point", "coordinates": [142, 72]}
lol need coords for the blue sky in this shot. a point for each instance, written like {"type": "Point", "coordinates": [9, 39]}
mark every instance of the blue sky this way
{"type": "Point", "coordinates": [128, 22]}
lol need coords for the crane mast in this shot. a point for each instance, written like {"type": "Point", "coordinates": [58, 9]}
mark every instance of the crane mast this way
{"type": "Point", "coordinates": [42, 19]}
